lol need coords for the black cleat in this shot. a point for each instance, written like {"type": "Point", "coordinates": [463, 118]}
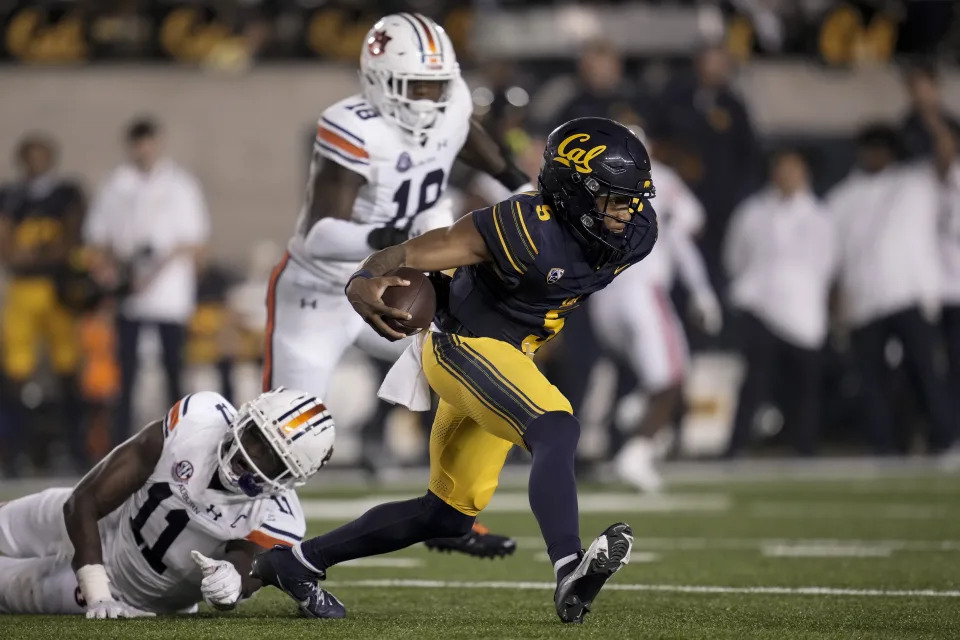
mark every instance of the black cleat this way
{"type": "Point", "coordinates": [478, 542]}
{"type": "Point", "coordinates": [606, 555]}
{"type": "Point", "coordinates": [279, 568]}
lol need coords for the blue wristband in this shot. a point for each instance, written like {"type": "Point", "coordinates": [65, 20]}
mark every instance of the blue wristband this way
{"type": "Point", "coordinates": [362, 273]}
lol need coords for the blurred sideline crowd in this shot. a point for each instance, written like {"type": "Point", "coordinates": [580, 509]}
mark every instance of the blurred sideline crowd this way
{"type": "Point", "coordinates": [836, 280]}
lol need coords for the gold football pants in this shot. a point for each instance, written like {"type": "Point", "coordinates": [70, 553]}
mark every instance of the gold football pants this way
{"type": "Point", "coordinates": [489, 392]}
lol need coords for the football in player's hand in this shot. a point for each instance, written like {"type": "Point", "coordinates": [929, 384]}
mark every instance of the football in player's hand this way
{"type": "Point", "coordinates": [418, 299]}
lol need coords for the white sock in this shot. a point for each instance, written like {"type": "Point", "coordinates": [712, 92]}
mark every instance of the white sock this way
{"type": "Point", "coordinates": [562, 562]}
{"type": "Point", "coordinates": [298, 554]}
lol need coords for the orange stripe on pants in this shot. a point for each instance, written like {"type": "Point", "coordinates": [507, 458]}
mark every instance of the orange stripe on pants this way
{"type": "Point", "coordinates": [267, 382]}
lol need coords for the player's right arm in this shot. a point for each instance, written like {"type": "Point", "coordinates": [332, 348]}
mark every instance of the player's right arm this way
{"type": "Point", "coordinates": [10, 254]}
{"type": "Point", "coordinates": [340, 168]}
{"type": "Point", "coordinates": [6, 235]}
{"type": "Point", "coordinates": [457, 246]}
{"type": "Point", "coordinates": [507, 234]}
{"type": "Point", "coordinates": [101, 491]}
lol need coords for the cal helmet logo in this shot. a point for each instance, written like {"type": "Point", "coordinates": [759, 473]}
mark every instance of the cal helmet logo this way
{"type": "Point", "coordinates": [377, 43]}
{"type": "Point", "coordinates": [576, 157]}
{"type": "Point", "coordinates": [183, 470]}
{"type": "Point", "coordinates": [555, 274]}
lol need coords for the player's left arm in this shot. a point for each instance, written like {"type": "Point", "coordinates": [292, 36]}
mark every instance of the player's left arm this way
{"type": "Point", "coordinates": [704, 304]}
{"type": "Point", "coordinates": [481, 152]}
{"type": "Point", "coordinates": [228, 581]}
{"type": "Point", "coordinates": [75, 206]}
{"type": "Point", "coordinates": [240, 554]}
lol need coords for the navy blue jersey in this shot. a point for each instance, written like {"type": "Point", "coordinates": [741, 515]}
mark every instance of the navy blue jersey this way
{"type": "Point", "coordinates": [539, 273]}
{"type": "Point", "coordinates": [39, 219]}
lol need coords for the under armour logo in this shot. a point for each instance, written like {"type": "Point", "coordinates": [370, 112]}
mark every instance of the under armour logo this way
{"type": "Point", "coordinates": [213, 510]}
{"type": "Point", "coordinates": [304, 303]}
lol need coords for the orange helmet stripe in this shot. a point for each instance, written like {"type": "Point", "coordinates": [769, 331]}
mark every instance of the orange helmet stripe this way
{"type": "Point", "coordinates": [431, 41]}
{"type": "Point", "coordinates": [303, 417]}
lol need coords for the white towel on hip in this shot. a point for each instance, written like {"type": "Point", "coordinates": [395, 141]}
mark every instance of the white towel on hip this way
{"type": "Point", "coordinates": [406, 383]}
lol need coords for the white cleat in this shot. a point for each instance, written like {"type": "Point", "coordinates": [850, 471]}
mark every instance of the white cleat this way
{"type": "Point", "coordinates": [635, 465]}
{"type": "Point", "coordinates": [609, 553]}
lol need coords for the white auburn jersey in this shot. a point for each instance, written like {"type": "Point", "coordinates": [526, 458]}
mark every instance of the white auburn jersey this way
{"type": "Point", "coordinates": [678, 211]}
{"type": "Point", "coordinates": [147, 557]}
{"type": "Point", "coordinates": [404, 177]}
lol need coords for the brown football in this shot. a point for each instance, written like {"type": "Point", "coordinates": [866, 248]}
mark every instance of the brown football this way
{"type": "Point", "coordinates": [418, 299]}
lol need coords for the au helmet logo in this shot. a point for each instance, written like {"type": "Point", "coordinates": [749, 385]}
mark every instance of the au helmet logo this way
{"type": "Point", "coordinates": [377, 43]}
{"type": "Point", "coordinates": [555, 274]}
{"type": "Point", "coordinates": [404, 162]}
{"type": "Point", "coordinates": [576, 157]}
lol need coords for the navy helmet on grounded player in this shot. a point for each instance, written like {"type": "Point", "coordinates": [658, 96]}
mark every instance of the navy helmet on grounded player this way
{"type": "Point", "coordinates": [592, 166]}
{"type": "Point", "coordinates": [275, 443]}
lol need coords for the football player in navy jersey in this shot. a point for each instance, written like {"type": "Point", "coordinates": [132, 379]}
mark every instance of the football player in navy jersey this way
{"type": "Point", "coordinates": [521, 267]}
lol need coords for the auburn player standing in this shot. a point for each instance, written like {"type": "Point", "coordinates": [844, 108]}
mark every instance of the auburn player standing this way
{"type": "Point", "coordinates": [40, 218]}
{"type": "Point", "coordinates": [381, 163]}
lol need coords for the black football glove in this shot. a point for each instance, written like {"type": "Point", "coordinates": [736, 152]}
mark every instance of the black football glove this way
{"type": "Point", "coordinates": [386, 237]}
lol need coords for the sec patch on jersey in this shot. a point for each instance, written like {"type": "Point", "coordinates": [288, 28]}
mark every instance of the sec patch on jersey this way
{"type": "Point", "coordinates": [419, 299]}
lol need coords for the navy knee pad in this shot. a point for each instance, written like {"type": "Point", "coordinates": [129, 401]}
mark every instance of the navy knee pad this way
{"type": "Point", "coordinates": [554, 429]}
{"type": "Point", "coordinates": [444, 520]}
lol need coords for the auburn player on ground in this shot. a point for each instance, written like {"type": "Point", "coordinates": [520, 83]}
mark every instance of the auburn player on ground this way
{"type": "Point", "coordinates": [173, 515]}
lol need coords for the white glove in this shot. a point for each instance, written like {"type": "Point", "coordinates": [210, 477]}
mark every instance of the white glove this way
{"type": "Point", "coordinates": [707, 312]}
{"type": "Point", "coordinates": [103, 609]}
{"type": "Point", "coordinates": [437, 217]}
{"type": "Point", "coordinates": [221, 585]}
{"type": "Point", "coordinates": [95, 588]}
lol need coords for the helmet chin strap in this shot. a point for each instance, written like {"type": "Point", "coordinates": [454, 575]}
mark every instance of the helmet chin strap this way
{"type": "Point", "coordinates": [248, 484]}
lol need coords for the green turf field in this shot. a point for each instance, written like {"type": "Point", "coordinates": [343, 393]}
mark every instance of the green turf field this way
{"type": "Point", "coordinates": [784, 559]}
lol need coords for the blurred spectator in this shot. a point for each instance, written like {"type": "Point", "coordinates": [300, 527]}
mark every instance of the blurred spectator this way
{"type": "Point", "coordinates": [715, 148]}
{"type": "Point", "coordinates": [499, 99]}
{"type": "Point", "coordinates": [635, 321]}
{"type": "Point", "coordinates": [99, 377]}
{"type": "Point", "coordinates": [40, 218]}
{"type": "Point", "coordinates": [214, 338]}
{"type": "Point", "coordinates": [601, 88]}
{"type": "Point", "coordinates": [948, 171]}
{"type": "Point", "coordinates": [926, 110]}
{"type": "Point", "coordinates": [886, 216]}
{"type": "Point", "coordinates": [150, 216]}
{"type": "Point", "coordinates": [780, 255]}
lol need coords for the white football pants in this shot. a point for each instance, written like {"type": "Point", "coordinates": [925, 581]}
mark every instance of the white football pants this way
{"type": "Point", "coordinates": [309, 327]}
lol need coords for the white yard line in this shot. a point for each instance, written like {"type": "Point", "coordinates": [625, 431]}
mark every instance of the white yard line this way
{"type": "Point", "coordinates": [667, 588]}
{"type": "Point", "coordinates": [513, 502]}
{"type": "Point", "coordinates": [831, 510]}
{"type": "Point", "coordinates": [825, 551]}
{"type": "Point", "coordinates": [754, 544]}
{"type": "Point", "coordinates": [376, 563]}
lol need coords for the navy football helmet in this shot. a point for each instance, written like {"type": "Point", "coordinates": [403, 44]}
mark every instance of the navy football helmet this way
{"type": "Point", "coordinates": [588, 165]}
